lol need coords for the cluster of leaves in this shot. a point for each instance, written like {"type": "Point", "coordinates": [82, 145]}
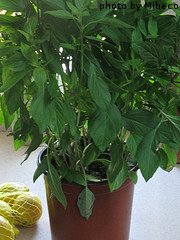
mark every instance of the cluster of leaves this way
{"type": "Point", "coordinates": [99, 87]}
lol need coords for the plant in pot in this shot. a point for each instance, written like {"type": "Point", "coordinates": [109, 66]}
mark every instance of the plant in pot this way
{"type": "Point", "coordinates": [98, 88]}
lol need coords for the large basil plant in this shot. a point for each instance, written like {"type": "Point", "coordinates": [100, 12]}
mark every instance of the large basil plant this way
{"type": "Point", "coordinates": [101, 88]}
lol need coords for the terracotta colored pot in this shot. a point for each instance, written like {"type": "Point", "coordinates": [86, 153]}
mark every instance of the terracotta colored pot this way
{"type": "Point", "coordinates": [110, 219]}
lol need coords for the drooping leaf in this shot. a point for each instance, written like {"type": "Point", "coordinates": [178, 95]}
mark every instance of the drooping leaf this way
{"type": "Point", "coordinates": [85, 202]}
{"type": "Point", "coordinates": [104, 125]}
{"type": "Point", "coordinates": [147, 159]}
{"type": "Point", "coordinates": [55, 184]}
{"type": "Point", "coordinates": [35, 142]}
{"type": "Point", "coordinates": [120, 178]}
{"type": "Point", "coordinates": [41, 169]}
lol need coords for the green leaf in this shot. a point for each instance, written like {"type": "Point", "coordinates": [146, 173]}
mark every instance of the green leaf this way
{"type": "Point", "coordinates": [104, 125]}
{"type": "Point", "coordinates": [11, 80]}
{"type": "Point", "coordinates": [136, 36]}
{"type": "Point", "coordinates": [173, 125]}
{"type": "Point", "coordinates": [147, 160]}
{"type": "Point", "coordinates": [120, 178]}
{"type": "Point", "coordinates": [139, 121]}
{"type": "Point", "coordinates": [76, 177]}
{"type": "Point", "coordinates": [63, 14]}
{"type": "Point", "coordinates": [6, 20]}
{"type": "Point", "coordinates": [70, 116]}
{"type": "Point", "coordinates": [153, 27]}
{"type": "Point", "coordinates": [35, 142]}
{"type": "Point", "coordinates": [163, 159]}
{"type": "Point", "coordinates": [98, 88]}
{"type": "Point", "coordinates": [52, 59]}
{"type": "Point", "coordinates": [116, 163]}
{"type": "Point", "coordinates": [55, 3]}
{"type": "Point", "coordinates": [81, 3]}
{"type": "Point", "coordinates": [85, 202]}
{"type": "Point", "coordinates": [13, 5]}
{"type": "Point", "coordinates": [1, 116]}
{"type": "Point", "coordinates": [172, 157]}
{"type": "Point", "coordinates": [74, 9]}
{"type": "Point", "coordinates": [8, 118]}
{"type": "Point", "coordinates": [41, 169]}
{"type": "Point", "coordinates": [148, 51]}
{"type": "Point", "coordinates": [115, 22]}
{"type": "Point", "coordinates": [40, 77]}
{"type": "Point", "coordinates": [133, 176]}
{"type": "Point", "coordinates": [13, 97]}
{"type": "Point", "coordinates": [54, 182]}
{"type": "Point", "coordinates": [29, 53]}
{"type": "Point", "coordinates": [56, 120]}
{"type": "Point", "coordinates": [41, 110]}
{"type": "Point", "coordinates": [31, 25]}
{"type": "Point", "coordinates": [18, 143]}
{"type": "Point", "coordinates": [90, 154]}
{"type": "Point", "coordinates": [142, 27]}
{"type": "Point", "coordinates": [6, 51]}
{"type": "Point", "coordinates": [65, 141]}
{"type": "Point", "coordinates": [132, 143]}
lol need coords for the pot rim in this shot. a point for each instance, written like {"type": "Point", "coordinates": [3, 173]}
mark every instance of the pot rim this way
{"type": "Point", "coordinates": [90, 184]}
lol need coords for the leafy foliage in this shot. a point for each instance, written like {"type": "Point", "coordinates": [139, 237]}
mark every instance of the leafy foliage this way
{"type": "Point", "coordinates": [101, 88]}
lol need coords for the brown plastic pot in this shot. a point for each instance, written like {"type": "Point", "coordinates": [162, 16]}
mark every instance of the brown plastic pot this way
{"type": "Point", "coordinates": [110, 219]}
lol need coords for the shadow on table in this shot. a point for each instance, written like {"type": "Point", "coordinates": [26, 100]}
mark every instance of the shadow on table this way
{"type": "Point", "coordinates": [27, 233]}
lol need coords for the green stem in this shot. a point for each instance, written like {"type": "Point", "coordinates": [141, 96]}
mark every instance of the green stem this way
{"type": "Point", "coordinates": [82, 48]}
{"type": "Point", "coordinates": [84, 137]}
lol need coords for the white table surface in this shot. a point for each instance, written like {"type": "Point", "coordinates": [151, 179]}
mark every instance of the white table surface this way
{"type": "Point", "coordinates": [156, 208]}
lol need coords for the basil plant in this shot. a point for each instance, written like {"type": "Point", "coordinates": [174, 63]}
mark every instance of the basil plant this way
{"type": "Point", "coordinates": [100, 88]}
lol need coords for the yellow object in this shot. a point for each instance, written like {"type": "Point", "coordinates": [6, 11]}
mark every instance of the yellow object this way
{"type": "Point", "coordinates": [6, 230]}
{"type": "Point", "coordinates": [9, 197]}
{"type": "Point", "coordinates": [28, 209]}
{"type": "Point", "coordinates": [13, 187]}
{"type": "Point", "coordinates": [6, 211]}
{"type": "Point", "coordinates": [16, 231]}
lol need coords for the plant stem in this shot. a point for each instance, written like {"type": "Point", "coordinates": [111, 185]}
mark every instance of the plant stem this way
{"type": "Point", "coordinates": [82, 48]}
{"type": "Point", "coordinates": [84, 137]}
